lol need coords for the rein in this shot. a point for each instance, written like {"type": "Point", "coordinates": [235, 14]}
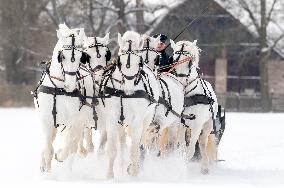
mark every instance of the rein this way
{"type": "Point", "coordinates": [130, 52]}
{"type": "Point", "coordinates": [96, 69]}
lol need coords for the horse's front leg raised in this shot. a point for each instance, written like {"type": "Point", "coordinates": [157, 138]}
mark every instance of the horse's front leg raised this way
{"type": "Point", "coordinates": [72, 135]}
{"type": "Point", "coordinates": [87, 136]}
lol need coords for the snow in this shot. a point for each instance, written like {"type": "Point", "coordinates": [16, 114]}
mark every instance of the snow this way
{"type": "Point", "coordinates": [252, 147]}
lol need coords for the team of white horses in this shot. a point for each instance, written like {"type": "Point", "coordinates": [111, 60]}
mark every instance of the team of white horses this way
{"type": "Point", "coordinates": [83, 89]}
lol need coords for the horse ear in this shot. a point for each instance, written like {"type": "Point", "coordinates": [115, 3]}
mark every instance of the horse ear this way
{"type": "Point", "coordinates": [194, 42]}
{"type": "Point", "coordinates": [156, 40]}
{"type": "Point", "coordinates": [106, 39]}
{"type": "Point", "coordinates": [173, 44]}
{"type": "Point", "coordinates": [60, 36]}
{"type": "Point", "coordinates": [141, 43]}
{"type": "Point", "coordinates": [82, 36]}
{"type": "Point", "coordinates": [63, 27]}
{"type": "Point", "coordinates": [88, 42]}
{"type": "Point", "coordinates": [144, 36]}
{"type": "Point", "coordinates": [119, 39]}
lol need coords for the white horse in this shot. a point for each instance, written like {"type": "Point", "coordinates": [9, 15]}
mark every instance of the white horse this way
{"type": "Point", "coordinates": [56, 98]}
{"type": "Point", "coordinates": [170, 107]}
{"type": "Point", "coordinates": [95, 57]}
{"type": "Point", "coordinates": [134, 92]}
{"type": "Point", "coordinates": [200, 100]}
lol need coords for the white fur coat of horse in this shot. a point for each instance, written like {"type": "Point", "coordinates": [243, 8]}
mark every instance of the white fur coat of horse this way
{"type": "Point", "coordinates": [170, 91]}
{"type": "Point", "coordinates": [202, 125]}
{"type": "Point", "coordinates": [67, 107]}
{"type": "Point", "coordinates": [136, 111]}
{"type": "Point", "coordinates": [92, 113]}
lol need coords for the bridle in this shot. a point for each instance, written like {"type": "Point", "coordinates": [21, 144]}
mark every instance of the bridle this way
{"type": "Point", "coordinates": [108, 53]}
{"type": "Point", "coordinates": [60, 57]}
{"type": "Point", "coordinates": [190, 65]}
{"type": "Point", "coordinates": [147, 49]}
{"type": "Point", "coordinates": [130, 52]}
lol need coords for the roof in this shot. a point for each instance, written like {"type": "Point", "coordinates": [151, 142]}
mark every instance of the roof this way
{"type": "Point", "coordinates": [275, 27]}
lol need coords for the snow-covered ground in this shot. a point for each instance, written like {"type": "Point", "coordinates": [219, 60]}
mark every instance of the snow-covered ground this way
{"type": "Point", "coordinates": [252, 147]}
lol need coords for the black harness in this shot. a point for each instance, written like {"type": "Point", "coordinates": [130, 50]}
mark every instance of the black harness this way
{"type": "Point", "coordinates": [198, 99]}
{"type": "Point", "coordinates": [147, 93]}
{"type": "Point", "coordinates": [55, 91]}
{"type": "Point", "coordinates": [113, 92]}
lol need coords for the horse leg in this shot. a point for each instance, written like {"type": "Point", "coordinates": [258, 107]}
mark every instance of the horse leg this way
{"type": "Point", "coordinates": [150, 137]}
{"type": "Point", "coordinates": [133, 167]}
{"type": "Point", "coordinates": [180, 137]}
{"type": "Point", "coordinates": [47, 153]}
{"type": "Point", "coordinates": [163, 141]}
{"type": "Point", "coordinates": [111, 150]}
{"type": "Point", "coordinates": [122, 144]}
{"type": "Point", "coordinates": [81, 149]}
{"type": "Point", "coordinates": [72, 135]}
{"type": "Point", "coordinates": [89, 141]}
{"type": "Point", "coordinates": [212, 149]}
{"type": "Point", "coordinates": [103, 140]}
{"type": "Point", "coordinates": [191, 142]}
{"type": "Point", "coordinates": [203, 141]}
{"type": "Point", "coordinates": [135, 155]}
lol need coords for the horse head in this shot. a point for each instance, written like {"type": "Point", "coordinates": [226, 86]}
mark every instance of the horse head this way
{"type": "Point", "coordinates": [67, 54]}
{"type": "Point", "coordinates": [186, 54]}
{"type": "Point", "coordinates": [129, 61]}
{"type": "Point", "coordinates": [149, 54]}
{"type": "Point", "coordinates": [97, 53]}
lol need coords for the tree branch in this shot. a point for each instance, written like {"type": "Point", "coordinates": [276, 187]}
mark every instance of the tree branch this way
{"type": "Point", "coordinates": [99, 28]}
{"type": "Point", "coordinates": [270, 12]}
{"type": "Point", "coordinates": [53, 19]}
{"type": "Point", "coordinates": [245, 6]}
{"type": "Point", "coordinates": [277, 40]}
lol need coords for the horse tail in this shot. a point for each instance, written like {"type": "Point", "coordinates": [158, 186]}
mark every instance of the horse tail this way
{"type": "Point", "coordinates": [212, 148]}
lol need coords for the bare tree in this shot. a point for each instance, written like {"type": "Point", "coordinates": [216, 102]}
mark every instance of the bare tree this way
{"type": "Point", "coordinates": [27, 27]}
{"type": "Point", "coordinates": [18, 26]}
{"type": "Point", "coordinates": [261, 14]}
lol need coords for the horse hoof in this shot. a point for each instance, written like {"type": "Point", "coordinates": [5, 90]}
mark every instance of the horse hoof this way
{"type": "Point", "coordinates": [90, 149]}
{"type": "Point", "coordinates": [56, 158]}
{"type": "Point", "coordinates": [100, 152]}
{"type": "Point", "coordinates": [205, 171]}
{"type": "Point", "coordinates": [83, 152]}
{"type": "Point", "coordinates": [132, 170]}
{"type": "Point", "coordinates": [110, 175]}
{"type": "Point", "coordinates": [42, 169]}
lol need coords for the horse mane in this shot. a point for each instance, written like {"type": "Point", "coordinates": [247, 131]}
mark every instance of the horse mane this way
{"type": "Point", "coordinates": [134, 37]}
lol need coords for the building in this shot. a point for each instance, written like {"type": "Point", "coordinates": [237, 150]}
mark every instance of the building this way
{"type": "Point", "coordinates": [229, 58]}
